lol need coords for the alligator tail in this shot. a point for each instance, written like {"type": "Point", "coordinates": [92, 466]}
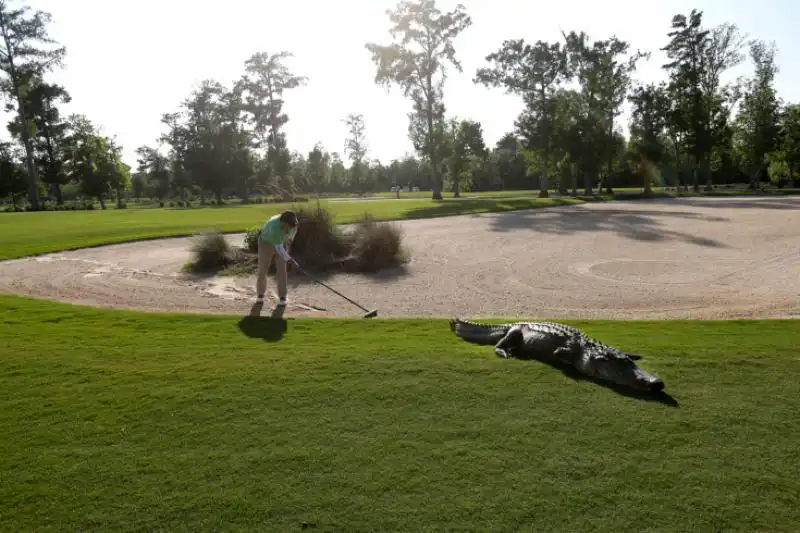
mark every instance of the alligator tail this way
{"type": "Point", "coordinates": [478, 333]}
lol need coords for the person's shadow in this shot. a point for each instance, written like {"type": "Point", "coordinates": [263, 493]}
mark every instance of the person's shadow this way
{"type": "Point", "coordinates": [269, 328]}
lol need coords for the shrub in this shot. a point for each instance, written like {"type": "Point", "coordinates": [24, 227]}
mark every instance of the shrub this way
{"type": "Point", "coordinates": [319, 244]}
{"type": "Point", "coordinates": [377, 245]}
{"type": "Point", "coordinates": [319, 240]}
{"type": "Point", "coordinates": [251, 240]}
{"type": "Point", "coordinates": [778, 171]}
{"type": "Point", "coordinates": [210, 252]}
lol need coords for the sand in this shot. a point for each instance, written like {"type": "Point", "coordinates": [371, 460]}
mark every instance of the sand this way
{"type": "Point", "coordinates": [700, 258]}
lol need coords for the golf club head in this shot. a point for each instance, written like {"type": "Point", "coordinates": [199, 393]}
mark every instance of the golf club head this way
{"type": "Point", "coordinates": [371, 314]}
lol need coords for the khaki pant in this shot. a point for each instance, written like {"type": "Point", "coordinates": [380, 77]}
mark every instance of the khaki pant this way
{"type": "Point", "coordinates": [266, 252]}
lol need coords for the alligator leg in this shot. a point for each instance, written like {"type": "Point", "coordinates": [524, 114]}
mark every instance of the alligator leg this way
{"type": "Point", "coordinates": [568, 353]}
{"type": "Point", "coordinates": [506, 346]}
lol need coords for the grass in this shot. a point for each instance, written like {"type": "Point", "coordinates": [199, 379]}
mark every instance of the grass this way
{"type": "Point", "coordinates": [208, 423]}
{"type": "Point", "coordinates": [26, 234]}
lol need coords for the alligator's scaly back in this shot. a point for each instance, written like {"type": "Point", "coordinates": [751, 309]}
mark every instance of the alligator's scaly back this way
{"type": "Point", "coordinates": [550, 341]}
{"type": "Point", "coordinates": [478, 333]}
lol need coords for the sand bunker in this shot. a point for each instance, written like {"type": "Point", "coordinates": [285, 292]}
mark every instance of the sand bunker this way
{"type": "Point", "coordinates": [689, 258]}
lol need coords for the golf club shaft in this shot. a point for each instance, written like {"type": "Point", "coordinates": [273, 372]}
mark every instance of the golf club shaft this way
{"type": "Point", "coordinates": [331, 289]}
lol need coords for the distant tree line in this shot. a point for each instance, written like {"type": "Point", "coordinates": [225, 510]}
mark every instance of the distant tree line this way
{"type": "Point", "coordinates": [691, 130]}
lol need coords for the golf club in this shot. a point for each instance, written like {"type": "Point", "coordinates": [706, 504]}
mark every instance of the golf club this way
{"type": "Point", "coordinates": [368, 313]}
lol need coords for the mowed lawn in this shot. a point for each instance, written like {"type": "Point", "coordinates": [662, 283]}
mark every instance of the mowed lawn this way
{"type": "Point", "coordinates": [128, 422]}
{"type": "Point", "coordinates": [24, 234]}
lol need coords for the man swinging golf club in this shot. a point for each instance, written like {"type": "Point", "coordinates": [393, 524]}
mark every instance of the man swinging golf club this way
{"type": "Point", "coordinates": [275, 237]}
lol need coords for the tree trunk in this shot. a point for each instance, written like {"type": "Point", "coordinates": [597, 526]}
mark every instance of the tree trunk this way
{"type": "Point", "coordinates": [59, 194]}
{"type": "Point", "coordinates": [33, 191]}
{"type": "Point", "coordinates": [119, 197]}
{"type": "Point", "coordinates": [33, 177]}
{"type": "Point", "coordinates": [102, 202]}
{"type": "Point", "coordinates": [543, 184]}
{"type": "Point", "coordinates": [563, 186]}
{"type": "Point", "coordinates": [245, 193]}
{"type": "Point", "coordinates": [610, 162]}
{"type": "Point", "coordinates": [588, 184]}
{"type": "Point", "coordinates": [433, 154]}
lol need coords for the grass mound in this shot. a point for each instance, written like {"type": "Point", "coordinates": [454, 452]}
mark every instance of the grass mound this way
{"type": "Point", "coordinates": [321, 244]}
{"type": "Point", "coordinates": [385, 425]}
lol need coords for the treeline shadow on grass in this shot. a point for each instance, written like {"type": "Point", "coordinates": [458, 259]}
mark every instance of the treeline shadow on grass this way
{"type": "Point", "coordinates": [640, 225]}
{"type": "Point", "coordinates": [632, 223]}
{"type": "Point", "coordinates": [785, 202]}
{"type": "Point", "coordinates": [459, 206]}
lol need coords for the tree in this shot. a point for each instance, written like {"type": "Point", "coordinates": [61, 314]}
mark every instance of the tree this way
{"type": "Point", "coordinates": [93, 161]}
{"type": "Point", "coordinates": [687, 50]}
{"type": "Point", "coordinates": [13, 182]}
{"type": "Point", "coordinates": [317, 165]}
{"type": "Point", "coordinates": [649, 119]}
{"type": "Point", "coordinates": [605, 79]}
{"type": "Point", "coordinates": [571, 144]}
{"type": "Point", "coordinates": [466, 152]}
{"type": "Point", "coordinates": [119, 173]}
{"type": "Point", "coordinates": [355, 147]}
{"type": "Point", "coordinates": [21, 58]}
{"type": "Point", "coordinates": [154, 169]}
{"type": "Point", "coordinates": [535, 73]}
{"type": "Point", "coordinates": [338, 173]}
{"type": "Point", "coordinates": [49, 130]}
{"type": "Point", "coordinates": [777, 168]}
{"type": "Point", "coordinates": [508, 163]}
{"type": "Point", "coordinates": [758, 119]}
{"type": "Point", "coordinates": [417, 63]}
{"type": "Point", "coordinates": [723, 52]}
{"type": "Point", "coordinates": [208, 140]}
{"type": "Point", "coordinates": [265, 80]}
{"type": "Point", "coordinates": [789, 139]}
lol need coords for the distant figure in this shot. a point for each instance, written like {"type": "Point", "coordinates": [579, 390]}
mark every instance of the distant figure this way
{"type": "Point", "coordinates": [276, 235]}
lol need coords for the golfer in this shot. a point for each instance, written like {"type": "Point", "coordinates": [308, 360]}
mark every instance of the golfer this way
{"type": "Point", "coordinates": [275, 238]}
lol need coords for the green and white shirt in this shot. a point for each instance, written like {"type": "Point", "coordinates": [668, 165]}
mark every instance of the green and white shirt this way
{"type": "Point", "coordinates": [271, 234]}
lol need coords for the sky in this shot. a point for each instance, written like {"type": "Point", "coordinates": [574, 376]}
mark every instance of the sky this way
{"type": "Point", "coordinates": [130, 61]}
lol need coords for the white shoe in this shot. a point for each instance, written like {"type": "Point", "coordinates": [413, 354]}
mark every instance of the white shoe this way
{"type": "Point", "coordinates": [260, 299]}
{"type": "Point", "coordinates": [282, 301]}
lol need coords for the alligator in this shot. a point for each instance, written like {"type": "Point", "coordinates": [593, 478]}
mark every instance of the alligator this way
{"type": "Point", "coordinates": [560, 344]}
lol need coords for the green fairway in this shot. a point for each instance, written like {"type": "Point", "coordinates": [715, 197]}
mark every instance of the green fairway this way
{"type": "Point", "coordinates": [24, 234]}
{"type": "Point", "coordinates": [126, 422]}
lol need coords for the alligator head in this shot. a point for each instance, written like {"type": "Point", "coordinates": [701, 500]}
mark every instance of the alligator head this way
{"type": "Point", "coordinates": [619, 367]}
